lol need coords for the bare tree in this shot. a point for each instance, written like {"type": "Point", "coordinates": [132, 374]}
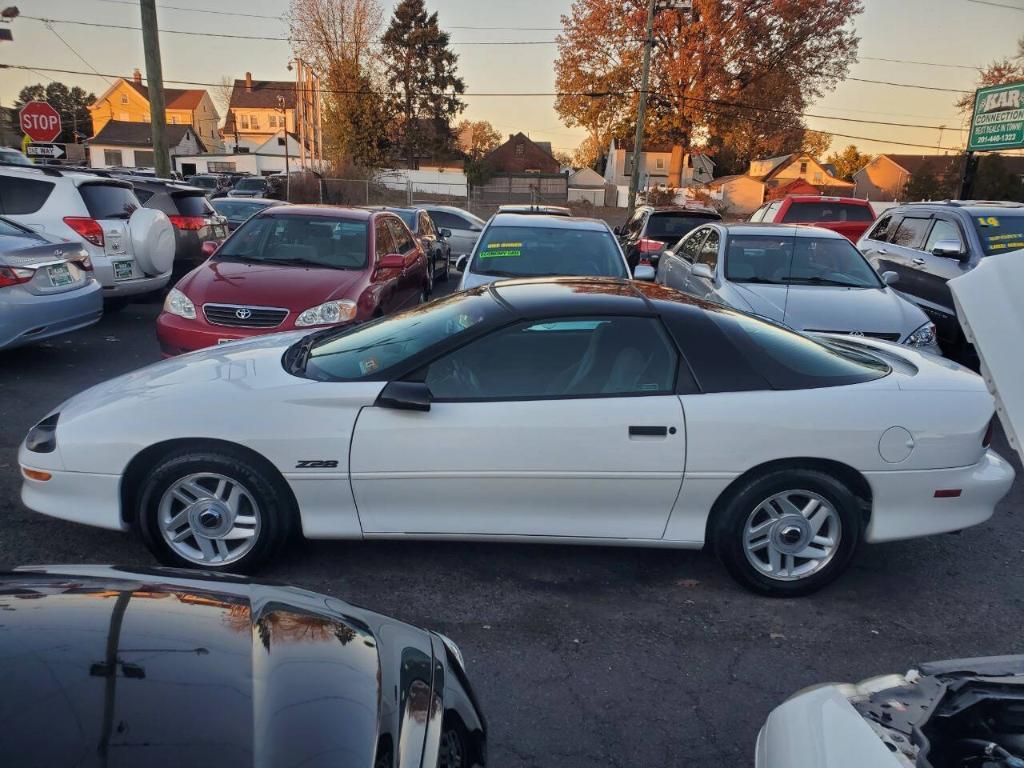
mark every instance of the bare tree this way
{"type": "Point", "coordinates": [222, 93]}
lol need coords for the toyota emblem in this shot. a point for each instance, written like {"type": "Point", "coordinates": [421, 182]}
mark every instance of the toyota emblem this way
{"type": "Point", "coordinates": [243, 313]}
{"type": "Point", "coordinates": [856, 333]}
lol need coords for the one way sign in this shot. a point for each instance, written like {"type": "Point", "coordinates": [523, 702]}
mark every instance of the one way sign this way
{"type": "Point", "coordinates": [52, 151]}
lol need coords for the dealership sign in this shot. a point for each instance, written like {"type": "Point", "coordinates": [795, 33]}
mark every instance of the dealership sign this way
{"type": "Point", "coordinates": [998, 121]}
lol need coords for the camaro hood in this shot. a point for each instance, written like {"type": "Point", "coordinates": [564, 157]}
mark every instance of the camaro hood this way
{"type": "Point", "coordinates": [218, 281]}
{"type": "Point", "coordinates": [828, 308]}
{"type": "Point", "coordinates": [166, 667]}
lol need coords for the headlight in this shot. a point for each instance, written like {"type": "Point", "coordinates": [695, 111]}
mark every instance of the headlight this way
{"type": "Point", "coordinates": [328, 313]}
{"type": "Point", "coordinates": [177, 303]}
{"type": "Point", "coordinates": [923, 336]}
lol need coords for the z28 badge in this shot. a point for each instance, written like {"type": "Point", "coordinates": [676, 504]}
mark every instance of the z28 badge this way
{"type": "Point", "coordinates": [317, 464]}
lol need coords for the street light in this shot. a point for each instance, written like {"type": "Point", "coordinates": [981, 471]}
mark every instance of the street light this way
{"type": "Point", "coordinates": [683, 6]}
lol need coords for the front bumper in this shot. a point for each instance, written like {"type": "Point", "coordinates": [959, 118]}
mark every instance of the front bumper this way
{"type": "Point", "coordinates": [178, 335]}
{"type": "Point", "coordinates": [904, 505]}
{"type": "Point", "coordinates": [28, 318]}
{"type": "Point", "coordinates": [80, 497]}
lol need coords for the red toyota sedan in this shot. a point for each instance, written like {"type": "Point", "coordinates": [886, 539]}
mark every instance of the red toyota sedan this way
{"type": "Point", "coordinates": [295, 267]}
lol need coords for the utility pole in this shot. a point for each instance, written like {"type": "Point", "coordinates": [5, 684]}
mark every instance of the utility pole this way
{"type": "Point", "coordinates": [287, 149]}
{"type": "Point", "coordinates": [638, 141]}
{"type": "Point", "coordinates": [155, 83]}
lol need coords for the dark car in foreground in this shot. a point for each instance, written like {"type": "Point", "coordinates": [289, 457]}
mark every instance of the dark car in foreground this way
{"type": "Point", "coordinates": [653, 229]}
{"type": "Point", "coordinates": [237, 211]}
{"type": "Point", "coordinates": [160, 667]}
{"type": "Point", "coordinates": [196, 222]}
{"type": "Point", "coordinates": [929, 244]}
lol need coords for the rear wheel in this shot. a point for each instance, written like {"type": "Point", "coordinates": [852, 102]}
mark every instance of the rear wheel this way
{"type": "Point", "coordinates": [213, 509]}
{"type": "Point", "coordinates": [788, 532]}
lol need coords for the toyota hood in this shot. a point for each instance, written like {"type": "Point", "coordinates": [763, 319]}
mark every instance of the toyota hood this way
{"type": "Point", "coordinates": [218, 281]}
{"type": "Point", "coordinates": [832, 308]}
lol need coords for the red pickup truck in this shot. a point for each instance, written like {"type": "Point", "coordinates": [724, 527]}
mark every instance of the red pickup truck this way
{"type": "Point", "coordinates": [848, 216]}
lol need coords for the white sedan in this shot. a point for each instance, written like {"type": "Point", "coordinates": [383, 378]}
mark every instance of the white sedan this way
{"type": "Point", "coordinates": [566, 410]}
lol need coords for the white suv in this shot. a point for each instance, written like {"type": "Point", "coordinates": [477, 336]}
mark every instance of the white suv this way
{"type": "Point", "coordinates": [131, 247]}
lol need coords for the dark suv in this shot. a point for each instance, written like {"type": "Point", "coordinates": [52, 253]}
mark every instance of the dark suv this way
{"type": "Point", "coordinates": [929, 244]}
{"type": "Point", "coordinates": [195, 220]}
{"type": "Point", "coordinates": [653, 229]}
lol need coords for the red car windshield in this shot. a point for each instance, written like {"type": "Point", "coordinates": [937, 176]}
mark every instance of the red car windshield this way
{"type": "Point", "coordinates": [822, 211]}
{"type": "Point", "coordinates": [296, 240]}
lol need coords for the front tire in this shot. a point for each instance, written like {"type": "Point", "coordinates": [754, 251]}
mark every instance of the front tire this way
{"type": "Point", "coordinates": [789, 532]}
{"type": "Point", "coordinates": [213, 509]}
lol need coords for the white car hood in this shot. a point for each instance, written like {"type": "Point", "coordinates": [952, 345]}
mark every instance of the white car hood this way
{"type": "Point", "coordinates": [472, 280]}
{"type": "Point", "coordinates": [988, 303]}
{"type": "Point", "coordinates": [828, 308]}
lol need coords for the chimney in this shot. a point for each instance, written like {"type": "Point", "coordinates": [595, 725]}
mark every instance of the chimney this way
{"type": "Point", "coordinates": [248, 82]}
{"type": "Point", "coordinates": [137, 77]}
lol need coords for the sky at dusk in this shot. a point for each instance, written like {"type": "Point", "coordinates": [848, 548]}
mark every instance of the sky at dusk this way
{"type": "Point", "coordinates": [951, 32]}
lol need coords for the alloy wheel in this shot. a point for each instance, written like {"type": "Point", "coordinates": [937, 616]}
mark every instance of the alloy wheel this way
{"type": "Point", "coordinates": [792, 535]}
{"type": "Point", "coordinates": [209, 518]}
{"type": "Point", "coordinates": [451, 754]}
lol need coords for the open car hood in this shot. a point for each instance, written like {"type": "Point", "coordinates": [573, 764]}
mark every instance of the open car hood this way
{"type": "Point", "coordinates": [988, 303]}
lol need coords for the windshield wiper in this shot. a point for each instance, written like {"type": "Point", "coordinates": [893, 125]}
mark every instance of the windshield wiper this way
{"type": "Point", "coordinates": [761, 280]}
{"type": "Point", "coordinates": [826, 281]}
{"type": "Point", "coordinates": [501, 273]}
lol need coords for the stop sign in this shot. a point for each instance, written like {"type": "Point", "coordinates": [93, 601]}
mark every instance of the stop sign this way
{"type": "Point", "coordinates": [39, 121]}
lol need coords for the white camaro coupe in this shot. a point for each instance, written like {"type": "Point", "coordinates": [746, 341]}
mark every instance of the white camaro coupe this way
{"type": "Point", "coordinates": [568, 410]}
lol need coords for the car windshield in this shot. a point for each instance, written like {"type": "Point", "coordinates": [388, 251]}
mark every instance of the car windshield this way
{"type": "Point", "coordinates": [409, 217]}
{"type": "Point", "coordinates": [236, 210]}
{"type": "Point", "coordinates": [537, 251]}
{"type": "Point", "coordinates": [207, 182]}
{"type": "Point", "coordinates": [296, 240]}
{"type": "Point", "coordinates": [1000, 233]}
{"type": "Point", "coordinates": [377, 347]}
{"type": "Point", "coordinates": [824, 211]}
{"type": "Point", "coordinates": [250, 184]}
{"type": "Point", "coordinates": [670, 227]}
{"type": "Point", "coordinates": [789, 260]}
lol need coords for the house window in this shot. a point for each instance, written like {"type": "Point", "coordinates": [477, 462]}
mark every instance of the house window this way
{"type": "Point", "coordinates": [254, 122]}
{"type": "Point", "coordinates": [124, 98]}
{"type": "Point", "coordinates": [220, 167]}
{"type": "Point", "coordinates": [629, 165]}
{"type": "Point", "coordinates": [818, 177]}
{"type": "Point", "coordinates": [803, 168]}
{"type": "Point", "coordinates": [174, 119]}
{"type": "Point", "coordinates": [520, 149]}
{"type": "Point", "coordinates": [112, 157]}
{"type": "Point", "coordinates": [144, 158]}
{"type": "Point", "coordinates": [272, 121]}
{"type": "Point", "coordinates": [243, 122]}
{"type": "Point", "coordinates": [659, 163]}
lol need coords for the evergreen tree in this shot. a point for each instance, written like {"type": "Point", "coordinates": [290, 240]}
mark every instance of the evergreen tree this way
{"type": "Point", "coordinates": [71, 103]}
{"type": "Point", "coordinates": [422, 71]}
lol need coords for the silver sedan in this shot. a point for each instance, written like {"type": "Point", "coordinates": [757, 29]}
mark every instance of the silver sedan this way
{"type": "Point", "coordinates": [46, 287]}
{"type": "Point", "coordinates": [809, 279]}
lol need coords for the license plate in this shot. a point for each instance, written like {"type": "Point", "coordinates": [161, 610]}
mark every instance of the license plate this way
{"type": "Point", "coordinates": [59, 275]}
{"type": "Point", "coordinates": [123, 270]}
{"type": "Point", "coordinates": [219, 230]}
{"type": "Point", "coordinates": [225, 341]}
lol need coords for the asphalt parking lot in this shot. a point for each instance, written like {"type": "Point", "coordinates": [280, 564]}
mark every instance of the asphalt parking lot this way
{"type": "Point", "coordinates": [585, 656]}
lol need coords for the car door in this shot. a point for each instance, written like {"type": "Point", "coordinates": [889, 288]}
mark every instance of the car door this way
{"type": "Point", "coordinates": [708, 255]}
{"type": "Point", "coordinates": [561, 427]}
{"type": "Point", "coordinates": [431, 242]}
{"type": "Point", "coordinates": [875, 243]}
{"type": "Point", "coordinates": [934, 273]}
{"type": "Point", "coordinates": [677, 266]}
{"type": "Point", "coordinates": [413, 276]}
{"type": "Point", "coordinates": [905, 252]}
{"type": "Point", "coordinates": [387, 280]}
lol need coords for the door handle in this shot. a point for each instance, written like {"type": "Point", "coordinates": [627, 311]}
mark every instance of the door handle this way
{"type": "Point", "coordinates": [882, 250]}
{"type": "Point", "coordinates": [649, 431]}
{"type": "Point", "coordinates": [919, 262]}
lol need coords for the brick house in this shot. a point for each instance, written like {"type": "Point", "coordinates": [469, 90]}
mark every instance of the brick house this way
{"type": "Point", "coordinates": [521, 155]}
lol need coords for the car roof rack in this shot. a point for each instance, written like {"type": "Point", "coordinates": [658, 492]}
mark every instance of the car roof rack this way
{"type": "Point", "coordinates": [971, 203]}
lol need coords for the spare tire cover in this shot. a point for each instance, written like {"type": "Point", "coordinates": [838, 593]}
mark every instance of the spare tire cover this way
{"type": "Point", "coordinates": [152, 240]}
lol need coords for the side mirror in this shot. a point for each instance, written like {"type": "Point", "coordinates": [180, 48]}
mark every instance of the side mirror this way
{"type": "Point", "coordinates": [890, 277]}
{"type": "Point", "coordinates": [949, 249]}
{"type": "Point", "coordinates": [210, 247]}
{"type": "Point", "coordinates": [462, 263]}
{"type": "Point", "coordinates": [405, 396]}
{"type": "Point", "coordinates": [391, 261]}
{"type": "Point", "coordinates": [644, 272]}
{"type": "Point", "coordinates": [617, 230]}
{"type": "Point", "coordinates": [702, 270]}
{"type": "Point", "coordinates": [446, 233]}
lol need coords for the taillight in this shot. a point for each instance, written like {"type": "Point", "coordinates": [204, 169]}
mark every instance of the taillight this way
{"type": "Point", "coordinates": [14, 276]}
{"type": "Point", "coordinates": [188, 222]}
{"type": "Point", "coordinates": [88, 229]}
{"type": "Point", "coordinates": [650, 246]}
{"type": "Point", "coordinates": [986, 441]}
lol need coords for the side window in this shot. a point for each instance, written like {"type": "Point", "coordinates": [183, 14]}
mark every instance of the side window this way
{"type": "Point", "coordinates": [772, 211]}
{"type": "Point", "coordinates": [758, 215]}
{"type": "Point", "coordinates": [21, 196]}
{"type": "Point", "coordinates": [880, 231]}
{"type": "Point", "coordinates": [567, 357]}
{"type": "Point", "coordinates": [709, 250]}
{"type": "Point", "coordinates": [944, 230]}
{"type": "Point", "coordinates": [445, 220]}
{"type": "Point", "coordinates": [403, 240]}
{"type": "Point", "coordinates": [426, 226]}
{"type": "Point", "coordinates": [636, 223]}
{"type": "Point", "coordinates": [690, 248]}
{"type": "Point", "coordinates": [382, 240]}
{"type": "Point", "coordinates": [911, 233]}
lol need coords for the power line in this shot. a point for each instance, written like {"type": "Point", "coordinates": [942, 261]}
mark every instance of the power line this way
{"type": "Point", "coordinates": [68, 45]}
{"type": "Point", "coordinates": [908, 85]}
{"type": "Point", "coordinates": [996, 5]}
{"type": "Point", "coordinates": [920, 63]}
{"type": "Point", "coordinates": [716, 106]}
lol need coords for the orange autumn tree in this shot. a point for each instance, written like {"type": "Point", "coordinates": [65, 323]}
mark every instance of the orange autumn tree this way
{"type": "Point", "coordinates": [740, 68]}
